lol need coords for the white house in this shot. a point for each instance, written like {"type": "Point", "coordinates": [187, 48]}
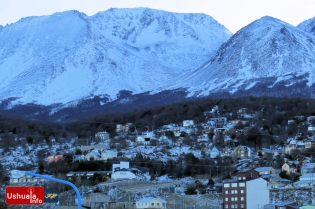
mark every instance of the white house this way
{"type": "Point", "coordinates": [130, 155]}
{"type": "Point", "coordinates": [188, 123]}
{"type": "Point", "coordinates": [215, 152]}
{"type": "Point", "coordinates": [145, 138]}
{"type": "Point", "coordinates": [19, 177]}
{"type": "Point", "coordinates": [151, 202]}
{"type": "Point", "coordinates": [94, 154]}
{"type": "Point", "coordinates": [108, 154]}
{"type": "Point", "coordinates": [103, 136]}
{"type": "Point", "coordinates": [265, 170]}
{"type": "Point", "coordinates": [120, 166]}
{"type": "Point", "coordinates": [203, 138]}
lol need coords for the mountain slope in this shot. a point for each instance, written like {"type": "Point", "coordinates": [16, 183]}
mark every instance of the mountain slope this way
{"type": "Point", "coordinates": [69, 57]}
{"type": "Point", "coordinates": [267, 57]}
{"type": "Point", "coordinates": [308, 26]}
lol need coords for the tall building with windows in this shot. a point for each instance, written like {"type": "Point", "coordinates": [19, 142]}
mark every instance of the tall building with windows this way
{"type": "Point", "coordinates": [245, 193]}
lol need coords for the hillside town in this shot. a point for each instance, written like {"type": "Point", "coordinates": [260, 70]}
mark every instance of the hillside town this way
{"type": "Point", "coordinates": [213, 164]}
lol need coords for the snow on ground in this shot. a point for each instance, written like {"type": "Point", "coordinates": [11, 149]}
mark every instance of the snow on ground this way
{"type": "Point", "coordinates": [164, 178]}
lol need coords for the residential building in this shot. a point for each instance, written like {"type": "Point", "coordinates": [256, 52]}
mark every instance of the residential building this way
{"type": "Point", "coordinates": [88, 174]}
{"type": "Point", "coordinates": [290, 167]}
{"type": "Point", "coordinates": [310, 119]}
{"type": "Point", "coordinates": [108, 154]}
{"type": "Point", "coordinates": [121, 165]}
{"type": "Point", "coordinates": [18, 177]}
{"type": "Point", "coordinates": [276, 182]}
{"type": "Point", "coordinates": [247, 175]}
{"type": "Point", "coordinates": [122, 127]}
{"type": "Point", "coordinates": [282, 205]}
{"type": "Point", "coordinates": [217, 122]}
{"type": "Point", "coordinates": [78, 158]}
{"type": "Point", "coordinates": [265, 170]}
{"type": "Point", "coordinates": [241, 152]}
{"type": "Point", "coordinates": [309, 144]}
{"type": "Point", "coordinates": [188, 123]}
{"type": "Point", "coordinates": [95, 198]}
{"type": "Point", "coordinates": [54, 158]}
{"type": "Point", "coordinates": [243, 194]}
{"type": "Point", "coordinates": [102, 136]}
{"type": "Point", "coordinates": [139, 170]}
{"type": "Point", "coordinates": [308, 168]}
{"type": "Point", "coordinates": [203, 138]}
{"type": "Point", "coordinates": [151, 202]}
{"type": "Point", "coordinates": [93, 155]}
{"type": "Point", "coordinates": [145, 138]}
{"type": "Point", "coordinates": [311, 128]}
{"type": "Point", "coordinates": [130, 155]}
{"type": "Point", "coordinates": [266, 152]}
{"type": "Point", "coordinates": [215, 152]}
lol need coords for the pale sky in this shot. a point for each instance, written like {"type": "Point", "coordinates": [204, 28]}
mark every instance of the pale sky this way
{"type": "Point", "coordinates": [233, 14]}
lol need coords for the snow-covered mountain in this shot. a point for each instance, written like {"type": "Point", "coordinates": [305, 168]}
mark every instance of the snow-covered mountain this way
{"type": "Point", "coordinates": [69, 57]}
{"type": "Point", "coordinates": [308, 26]}
{"type": "Point", "coordinates": [267, 57]}
{"type": "Point", "coordinates": [133, 58]}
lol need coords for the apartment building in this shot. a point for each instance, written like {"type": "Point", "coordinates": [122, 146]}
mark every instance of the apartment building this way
{"type": "Point", "coordinates": [245, 193]}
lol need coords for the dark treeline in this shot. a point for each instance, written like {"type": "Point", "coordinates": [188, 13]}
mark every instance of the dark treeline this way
{"type": "Point", "coordinates": [272, 112]}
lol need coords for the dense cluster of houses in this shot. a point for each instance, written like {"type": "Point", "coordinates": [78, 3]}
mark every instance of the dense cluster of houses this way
{"type": "Point", "coordinates": [216, 138]}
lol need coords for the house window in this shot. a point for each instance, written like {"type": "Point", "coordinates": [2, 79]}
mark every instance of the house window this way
{"type": "Point", "coordinates": [152, 204]}
{"type": "Point", "coordinates": [235, 206]}
{"type": "Point", "coordinates": [226, 206]}
{"type": "Point", "coordinates": [232, 198]}
{"type": "Point", "coordinates": [226, 185]}
{"type": "Point", "coordinates": [226, 192]}
{"type": "Point", "coordinates": [235, 191]}
{"type": "Point", "coordinates": [239, 178]}
{"type": "Point", "coordinates": [242, 198]}
{"type": "Point", "coordinates": [226, 199]}
{"type": "Point", "coordinates": [232, 191]}
{"type": "Point", "coordinates": [234, 184]}
{"type": "Point", "coordinates": [242, 205]}
{"type": "Point", "coordinates": [242, 184]}
{"type": "Point", "coordinates": [232, 206]}
{"type": "Point", "coordinates": [158, 204]}
{"type": "Point", "coordinates": [244, 178]}
{"type": "Point", "coordinates": [235, 198]}
{"type": "Point", "coordinates": [242, 191]}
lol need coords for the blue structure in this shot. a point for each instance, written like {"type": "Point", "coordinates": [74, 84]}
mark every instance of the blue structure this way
{"type": "Point", "coordinates": [59, 181]}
